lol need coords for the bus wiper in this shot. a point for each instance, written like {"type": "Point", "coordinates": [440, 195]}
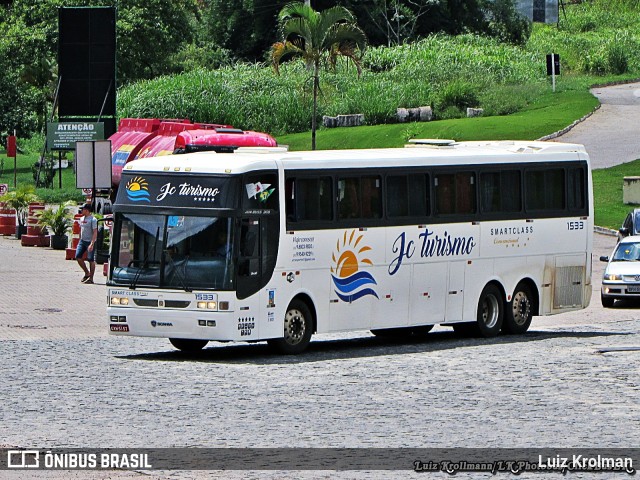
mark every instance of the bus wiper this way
{"type": "Point", "coordinates": [134, 283]}
{"type": "Point", "coordinates": [181, 278]}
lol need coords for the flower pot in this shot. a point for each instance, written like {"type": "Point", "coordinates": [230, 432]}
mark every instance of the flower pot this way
{"type": "Point", "coordinates": [59, 242]}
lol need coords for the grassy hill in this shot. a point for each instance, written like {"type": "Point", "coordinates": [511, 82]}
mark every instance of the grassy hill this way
{"type": "Point", "coordinates": [597, 42]}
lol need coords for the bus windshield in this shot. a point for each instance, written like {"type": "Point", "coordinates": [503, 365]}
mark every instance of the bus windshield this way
{"type": "Point", "coordinates": [173, 251]}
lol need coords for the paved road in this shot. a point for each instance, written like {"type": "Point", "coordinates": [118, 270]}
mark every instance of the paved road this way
{"type": "Point", "coordinates": [612, 134]}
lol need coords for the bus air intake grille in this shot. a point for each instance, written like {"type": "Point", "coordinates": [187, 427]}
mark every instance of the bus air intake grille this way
{"type": "Point", "coordinates": [568, 287]}
{"type": "Point", "coordinates": [145, 302]}
{"type": "Point", "coordinates": [177, 303]}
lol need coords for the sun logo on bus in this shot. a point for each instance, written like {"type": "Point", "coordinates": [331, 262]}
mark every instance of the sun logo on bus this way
{"type": "Point", "coordinates": [351, 283]}
{"type": "Point", "coordinates": [138, 190]}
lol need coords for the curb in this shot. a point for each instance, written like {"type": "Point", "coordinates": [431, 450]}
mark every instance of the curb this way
{"type": "Point", "coordinates": [566, 129]}
{"type": "Point", "coordinates": [605, 231]}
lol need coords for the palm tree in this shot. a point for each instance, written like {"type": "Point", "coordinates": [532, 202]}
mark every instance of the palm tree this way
{"type": "Point", "coordinates": [318, 37]}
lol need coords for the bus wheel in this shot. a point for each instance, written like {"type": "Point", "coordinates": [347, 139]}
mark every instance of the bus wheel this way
{"type": "Point", "coordinates": [490, 312]}
{"type": "Point", "coordinates": [298, 327]}
{"type": "Point", "coordinates": [519, 311]}
{"type": "Point", "coordinates": [188, 345]}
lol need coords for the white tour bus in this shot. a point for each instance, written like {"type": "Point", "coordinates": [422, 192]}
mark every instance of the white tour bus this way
{"type": "Point", "coordinates": [266, 244]}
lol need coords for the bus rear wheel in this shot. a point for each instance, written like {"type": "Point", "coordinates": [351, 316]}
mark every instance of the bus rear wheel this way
{"type": "Point", "coordinates": [489, 316]}
{"type": "Point", "coordinates": [298, 328]}
{"type": "Point", "coordinates": [188, 345]}
{"type": "Point", "coordinates": [490, 312]}
{"type": "Point", "coordinates": [519, 311]}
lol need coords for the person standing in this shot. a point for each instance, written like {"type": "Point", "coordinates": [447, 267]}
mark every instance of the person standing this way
{"type": "Point", "coordinates": [88, 235]}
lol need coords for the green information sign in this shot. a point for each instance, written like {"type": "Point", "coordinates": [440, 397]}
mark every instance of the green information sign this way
{"type": "Point", "coordinates": [64, 135]}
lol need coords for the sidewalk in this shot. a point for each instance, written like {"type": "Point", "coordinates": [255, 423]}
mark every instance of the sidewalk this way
{"type": "Point", "coordinates": [41, 296]}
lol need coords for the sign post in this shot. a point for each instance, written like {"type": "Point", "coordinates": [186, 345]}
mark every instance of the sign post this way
{"type": "Point", "coordinates": [553, 68]}
{"type": "Point", "coordinates": [12, 151]}
{"type": "Point", "coordinates": [93, 166]}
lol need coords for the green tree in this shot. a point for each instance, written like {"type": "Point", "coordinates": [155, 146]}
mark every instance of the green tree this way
{"type": "Point", "coordinates": [243, 27]}
{"type": "Point", "coordinates": [148, 33]}
{"type": "Point", "coordinates": [318, 38]}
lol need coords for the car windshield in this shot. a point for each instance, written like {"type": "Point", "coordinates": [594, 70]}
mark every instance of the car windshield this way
{"type": "Point", "coordinates": [173, 251]}
{"type": "Point", "coordinates": [627, 252]}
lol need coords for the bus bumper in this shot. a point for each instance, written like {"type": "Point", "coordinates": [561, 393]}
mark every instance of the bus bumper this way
{"type": "Point", "coordinates": [222, 326]}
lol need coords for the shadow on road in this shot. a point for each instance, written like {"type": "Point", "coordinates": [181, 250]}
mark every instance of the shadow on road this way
{"type": "Point", "coordinates": [364, 347]}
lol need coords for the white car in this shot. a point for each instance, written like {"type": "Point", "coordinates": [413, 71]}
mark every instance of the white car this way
{"type": "Point", "coordinates": [622, 276]}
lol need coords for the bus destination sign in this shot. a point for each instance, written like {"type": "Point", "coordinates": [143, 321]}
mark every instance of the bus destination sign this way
{"type": "Point", "coordinates": [184, 191]}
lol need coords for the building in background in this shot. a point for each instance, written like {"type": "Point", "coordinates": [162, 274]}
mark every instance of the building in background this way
{"type": "Point", "coordinates": [544, 11]}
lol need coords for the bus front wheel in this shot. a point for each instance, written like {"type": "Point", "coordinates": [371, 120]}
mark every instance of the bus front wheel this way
{"type": "Point", "coordinates": [188, 345]}
{"type": "Point", "coordinates": [298, 327]}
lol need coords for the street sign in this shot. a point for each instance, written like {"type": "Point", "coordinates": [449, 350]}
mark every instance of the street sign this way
{"type": "Point", "coordinates": [93, 164]}
{"type": "Point", "coordinates": [11, 146]}
{"type": "Point", "coordinates": [553, 67]}
{"type": "Point", "coordinates": [64, 135]}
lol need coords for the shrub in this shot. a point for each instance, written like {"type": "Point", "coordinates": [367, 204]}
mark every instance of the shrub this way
{"type": "Point", "coordinates": [458, 94]}
{"type": "Point", "coordinates": [617, 58]}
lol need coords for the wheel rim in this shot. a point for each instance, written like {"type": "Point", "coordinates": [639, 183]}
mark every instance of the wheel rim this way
{"type": "Point", "coordinates": [294, 327]}
{"type": "Point", "coordinates": [521, 306]}
{"type": "Point", "coordinates": [490, 312]}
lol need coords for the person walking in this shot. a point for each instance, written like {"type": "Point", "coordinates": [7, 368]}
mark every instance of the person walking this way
{"type": "Point", "coordinates": [88, 235]}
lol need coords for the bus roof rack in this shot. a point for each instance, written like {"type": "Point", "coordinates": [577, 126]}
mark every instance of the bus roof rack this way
{"type": "Point", "coordinates": [430, 142]}
{"type": "Point", "coordinates": [278, 149]}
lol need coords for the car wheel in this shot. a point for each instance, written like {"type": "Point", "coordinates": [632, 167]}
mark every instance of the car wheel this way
{"type": "Point", "coordinates": [607, 302]}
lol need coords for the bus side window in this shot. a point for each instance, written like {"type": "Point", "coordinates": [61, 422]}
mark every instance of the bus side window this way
{"type": "Point", "coordinates": [545, 189]}
{"type": "Point", "coordinates": [397, 196]}
{"type": "Point", "coordinates": [249, 264]}
{"type": "Point", "coordinates": [371, 197]}
{"type": "Point", "coordinates": [348, 198]}
{"type": "Point", "coordinates": [455, 193]}
{"type": "Point", "coordinates": [576, 189]}
{"type": "Point", "coordinates": [290, 199]}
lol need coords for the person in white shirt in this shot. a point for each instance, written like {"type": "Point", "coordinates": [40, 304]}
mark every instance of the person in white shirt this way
{"type": "Point", "coordinates": [88, 235]}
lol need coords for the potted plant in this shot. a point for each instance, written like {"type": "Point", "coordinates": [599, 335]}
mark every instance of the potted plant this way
{"type": "Point", "coordinates": [19, 199]}
{"type": "Point", "coordinates": [58, 221]}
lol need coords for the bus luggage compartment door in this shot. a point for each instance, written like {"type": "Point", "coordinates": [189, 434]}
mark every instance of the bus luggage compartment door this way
{"type": "Point", "coordinates": [455, 292]}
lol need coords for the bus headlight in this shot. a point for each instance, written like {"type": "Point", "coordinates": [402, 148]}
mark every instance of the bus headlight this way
{"type": "Point", "coordinates": [208, 305]}
{"type": "Point", "coordinates": [119, 301]}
